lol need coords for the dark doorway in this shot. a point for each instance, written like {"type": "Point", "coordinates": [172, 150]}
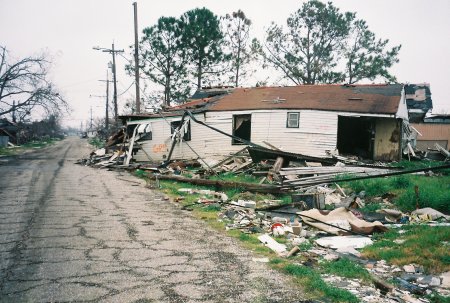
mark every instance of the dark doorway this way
{"type": "Point", "coordinates": [356, 136]}
{"type": "Point", "coordinates": [242, 128]}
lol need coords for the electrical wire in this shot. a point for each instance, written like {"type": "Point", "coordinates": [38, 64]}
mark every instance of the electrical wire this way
{"type": "Point", "coordinates": [126, 89]}
{"type": "Point", "coordinates": [169, 124]}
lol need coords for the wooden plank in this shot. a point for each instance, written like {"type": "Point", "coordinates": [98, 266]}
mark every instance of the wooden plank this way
{"type": "Point", "coordinates": [130, 148]}
{"type": "Point", "coordinates": [442, 150]}
{"type": "Point", "coordinates": [271, 146]}
{"type": "Point", "coordinates": [411, 150]}
{"type": "Point", "coordinates": [229, 157]}
{"type": "Point", "coordinates": [273, 172]}
{"type": "Point", "coordinates": [340, 190]}
{"type": "Point", "coordinates": [252, 187]}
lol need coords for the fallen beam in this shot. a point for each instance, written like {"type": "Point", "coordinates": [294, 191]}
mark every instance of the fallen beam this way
{"type": "Point", "coordinates": [412, 171]}
{"type": "Point", "coordinates": [219, 184]}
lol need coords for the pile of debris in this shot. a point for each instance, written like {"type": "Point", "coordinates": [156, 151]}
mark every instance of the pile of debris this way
{"type": "Point", "coordinates": [306, 233]}
{"type": "Point", "coordinates": [309, 233]}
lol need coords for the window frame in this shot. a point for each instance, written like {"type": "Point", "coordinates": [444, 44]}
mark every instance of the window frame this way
{"type": "Point", "coordinates": [175, 124]}
{"type": "Point", "coordinates": [288, 119]}
{"type": "Point", "coordinates": [234, 141]}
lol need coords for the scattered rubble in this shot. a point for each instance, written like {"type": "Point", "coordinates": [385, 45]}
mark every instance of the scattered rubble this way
{"type": "Point", "coordinates": [309, 233]}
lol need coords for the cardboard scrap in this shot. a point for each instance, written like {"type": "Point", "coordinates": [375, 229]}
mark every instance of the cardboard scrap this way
{"type": "Point", "coordinates": [339, 215]}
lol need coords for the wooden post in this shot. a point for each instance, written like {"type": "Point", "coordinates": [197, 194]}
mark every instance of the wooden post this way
{"type": "Point", "coordinates": [273, 173]}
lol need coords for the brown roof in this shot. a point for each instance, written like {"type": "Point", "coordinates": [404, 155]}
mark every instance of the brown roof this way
{"type": "Point", "coordinates": [371, 98]}
{"type": "Point", "coordinates": [379, 99]}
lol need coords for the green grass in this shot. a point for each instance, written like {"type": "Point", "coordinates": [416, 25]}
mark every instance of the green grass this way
{"type": "Point", "coordinates": [140, 173]}
{"type": "Point", "coordinates": [437, 298]}
{"type": "Point", "coordinates": [236, 178]}
{"type": "Point", "coordinates": [97, 142]}
{"type": "Point", "coordinates": [345, 268]}
{"type": "Point", "coordinates": [423, 245]}
{"type": "Point", "coordinates": [434, 191]}
{"type": "Point", "coordinates": [37, 144]}
{"type": "Point", "coordinates": [314, 284]}
{"type": "Point", "coordinates": [310, 281]}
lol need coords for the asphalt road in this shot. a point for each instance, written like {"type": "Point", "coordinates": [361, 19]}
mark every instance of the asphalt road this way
{"type": "Point", "coordinates": [70, 233]}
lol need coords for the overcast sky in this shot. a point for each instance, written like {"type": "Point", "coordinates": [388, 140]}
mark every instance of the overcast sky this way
{"type": "Point", "coordinates": [68, 29]}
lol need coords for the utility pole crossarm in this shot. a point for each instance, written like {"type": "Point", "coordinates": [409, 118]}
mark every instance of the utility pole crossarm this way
{"type": "Point", "coordinates": [113, 52]}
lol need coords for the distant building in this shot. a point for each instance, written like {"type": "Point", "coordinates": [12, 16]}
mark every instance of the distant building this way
{"type": "Point", "coordinates": [431, 129]}
{"type": "Point", "coordinates": [8, 132]}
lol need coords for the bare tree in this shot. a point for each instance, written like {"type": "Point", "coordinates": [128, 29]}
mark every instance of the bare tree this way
{"type": "Point", "coordinates": [24, 87]}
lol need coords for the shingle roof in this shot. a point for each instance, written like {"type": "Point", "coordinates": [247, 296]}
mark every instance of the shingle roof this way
{"type": "Point", "coordinates": [372, 98]}
{"type": "Point", "coordinates": [379, 99]}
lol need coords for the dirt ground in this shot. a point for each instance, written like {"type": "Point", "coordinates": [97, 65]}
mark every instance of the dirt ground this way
{"type": "Point", "coordinates": [70, 233]}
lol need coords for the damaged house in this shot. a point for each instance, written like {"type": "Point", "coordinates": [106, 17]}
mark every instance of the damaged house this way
{"type": "Point", "coordinates": [431, 129]}
{"type": "Point", "coordinates": [362, 120]}
{"type": "Point", "coordinates": [8, 132]}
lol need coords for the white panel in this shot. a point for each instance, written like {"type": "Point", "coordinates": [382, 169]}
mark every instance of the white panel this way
{"type": "Point", "coordinates": [317, 133]}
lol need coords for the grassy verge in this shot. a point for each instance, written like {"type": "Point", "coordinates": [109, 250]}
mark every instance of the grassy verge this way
{"type": "Point", "coordinates": [312, 282]}
{"type": "Point", "coordinates": [305, 278]}
{"type": "Point", "coordinates": [434, 191]}
{"type": "Point", "coordinates": [423, 245]}
{"type": "Point", "coordinates": [346, 268]}
{"type": "Point", "coordinates": [37, 144]}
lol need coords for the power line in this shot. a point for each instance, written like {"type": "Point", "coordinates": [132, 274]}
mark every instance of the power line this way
{"type": "Point", "coordinates": [126, 89]}
{"type": "Point", "coordinates": [170, 125]}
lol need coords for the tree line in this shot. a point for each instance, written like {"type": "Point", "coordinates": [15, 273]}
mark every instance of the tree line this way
{"type": "Point", "coordinates": [318, 44]}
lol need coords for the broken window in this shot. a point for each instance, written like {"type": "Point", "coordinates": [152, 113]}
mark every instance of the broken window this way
{"type": "Point", "coordinates": [293, 120]}
{"type": "Point", "coordinates": [242, 128]}
{"type": "Point", "coordinates": [185, 129]}
{"type": "Point", "coordinates": [144, 132]}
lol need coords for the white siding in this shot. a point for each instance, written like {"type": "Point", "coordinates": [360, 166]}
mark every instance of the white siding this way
{"type": "Point", "coordinates": [317, 133]}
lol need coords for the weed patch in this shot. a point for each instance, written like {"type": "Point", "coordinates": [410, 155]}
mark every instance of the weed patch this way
{"type": "Point", "coordinates": [345, 268]}
{"type": "Point", "coordinates": [313, 283]}
{"type": "Point", "coordinates": [96, 142]}
{"type": "Point", "coordinates": [434, 191]}
{"type": "Point", "coordinates": [423, 245]}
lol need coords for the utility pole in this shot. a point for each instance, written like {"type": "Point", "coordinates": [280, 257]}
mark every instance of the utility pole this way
{"type": "Point", "coordinates": [14, 111]}
{"type": "Point", "coordinates": [136, 60]}
{"type": "Point", "coordinates": [107, 103]}
{"type": "Point", "coordinates": [113, 52]}
{"type": "Point", "coordinates": [90, 128]}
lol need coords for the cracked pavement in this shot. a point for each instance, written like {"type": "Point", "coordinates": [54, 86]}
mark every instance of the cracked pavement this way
{"type": "Point", "coordinates": [70, 233]}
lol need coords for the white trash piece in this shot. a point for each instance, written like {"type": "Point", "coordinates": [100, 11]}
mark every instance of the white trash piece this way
{"type": "Point", "coordinates": [344, 241]}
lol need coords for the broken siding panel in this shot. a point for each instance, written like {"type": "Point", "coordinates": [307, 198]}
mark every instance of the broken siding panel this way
{"type": "Point", "coordinates": [402, 111]}
{"type": "Point", "coordinates": [204, 141]}
{"type": "Point", "coordinates": [387, 140]}
{"type": "Point", "coordinates": [160, 143]}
